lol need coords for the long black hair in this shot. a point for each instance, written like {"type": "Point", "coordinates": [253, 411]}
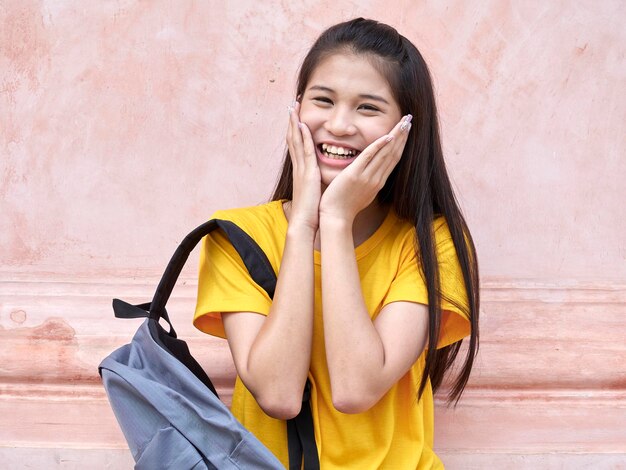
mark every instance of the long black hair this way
{"type": "Point", "coordinates": [419, 188]}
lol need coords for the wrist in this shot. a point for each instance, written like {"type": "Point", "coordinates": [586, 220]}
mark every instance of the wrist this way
{"type": "Point", "coordinates": [301, 231]}
{"type": "Point", "coordinates": [335, 213]}
{"type": "Point", "coordinates": [335, 222]}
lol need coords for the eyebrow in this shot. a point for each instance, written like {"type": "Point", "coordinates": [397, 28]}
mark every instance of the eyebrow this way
{"type": "Point", "coordinates": [366, 96]}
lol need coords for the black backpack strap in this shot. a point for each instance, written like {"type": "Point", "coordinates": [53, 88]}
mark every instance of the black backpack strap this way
{"type": "Point", "coordinates": [301, 437]}
{"type": "Point", "coordinates": [253, 257]}
{"type": "Point", "coordinates": [123, 309]}
{"type": "Point", "coordinates": [300, 434]}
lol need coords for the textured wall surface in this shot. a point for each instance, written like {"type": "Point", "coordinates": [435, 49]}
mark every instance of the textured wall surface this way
{"type": "Point", "coordinates": [124, 124]}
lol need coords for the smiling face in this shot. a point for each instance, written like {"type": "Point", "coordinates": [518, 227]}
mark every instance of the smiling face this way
{"type": "Point", "coordinates": [347, 104]}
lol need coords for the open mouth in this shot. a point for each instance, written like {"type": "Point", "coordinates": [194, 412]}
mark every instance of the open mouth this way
{"type": "Point", "coordinates": [338, 153]}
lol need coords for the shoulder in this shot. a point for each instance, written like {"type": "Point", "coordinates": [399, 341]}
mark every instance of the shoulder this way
{"type": "Point", "coordinates": [403, 236]}
{"type": "Point", "coordinates": [403, 232]}
{"type": "Point", "coordinates": [441, 231]}
{"type": "Point", "coordinates": [266, 217]}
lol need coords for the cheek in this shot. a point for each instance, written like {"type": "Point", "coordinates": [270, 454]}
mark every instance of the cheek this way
{"type": "Point", "coordinates": [374, 132]}
{"type": "Point", "coordinates": [310, 116]}
{"type": "Point", "coordinates": [309, 119]}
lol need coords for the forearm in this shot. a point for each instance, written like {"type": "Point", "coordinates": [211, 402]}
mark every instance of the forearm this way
{"type": "Point", "coordinates": [354, 349]}
{"type": "Point", "coordinates": [279, 358]}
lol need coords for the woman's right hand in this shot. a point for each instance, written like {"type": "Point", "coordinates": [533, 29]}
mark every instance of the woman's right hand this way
{"type": "Point", "coordinates": [263, 346]}
{"type": "Point", "coordinates": [307, 190]}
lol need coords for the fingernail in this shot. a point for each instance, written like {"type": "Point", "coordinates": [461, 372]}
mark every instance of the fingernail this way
{"type": "Point", "coordinates": [409, 118]}
{"type": "Point", "coordinates": [300, 125]}
{"type": "Point", "coordinates": [289, 109]}
{"type": "Point", "coordinates": [404, 125]}
{"type": "Point", "coordinates": [389, 138]}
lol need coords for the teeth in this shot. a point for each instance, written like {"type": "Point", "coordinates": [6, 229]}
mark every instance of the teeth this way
{"type": "Point", "coordinates": [334, 152]}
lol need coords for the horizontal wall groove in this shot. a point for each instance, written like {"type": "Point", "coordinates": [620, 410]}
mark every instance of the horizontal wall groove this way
{"type": "Point", "coordinates": [15, 288]}
{"type": "Point", "coordinates": [25, 391]}
{"type": "Point", "coordinates": [472, 395]}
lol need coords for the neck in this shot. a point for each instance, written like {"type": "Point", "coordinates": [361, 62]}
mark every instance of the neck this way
{"type": "Point", "coordinates": [367, 222]}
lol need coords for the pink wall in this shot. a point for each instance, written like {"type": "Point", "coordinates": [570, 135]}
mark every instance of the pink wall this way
{"type": "Point", "coordinates": [125, 124]}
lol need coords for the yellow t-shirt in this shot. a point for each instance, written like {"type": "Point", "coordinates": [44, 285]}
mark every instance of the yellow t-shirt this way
{"type": "Point", "coordinates": [397, 432]}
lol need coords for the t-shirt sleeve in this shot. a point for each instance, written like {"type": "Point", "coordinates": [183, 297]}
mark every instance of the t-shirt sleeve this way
{"type": "Point", "coordinates": [409, 286]}
{"type": "Point", "coordinates": [224, 285]}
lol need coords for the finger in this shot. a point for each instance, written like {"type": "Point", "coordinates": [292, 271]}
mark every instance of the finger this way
{"type": "Point", "coordinates": [393, 135]}
{"type": "Point", "coordinates": [397, 147]}
{"type": "Point", "coordinates": [367, 156]}
{"type": "Point", "coordinates": [294, 136]}
{"type": "Point", "coordinates": [308, 144]}
{"type": "Point", "coordinates": [401, 126]}
{"type": "Point", "coordinates": [400, 143]}
{"type": "Point", "coordinates": [390, 162]}
{"type": "Point", "coordinates": [390, 154]}
{"type": "Point", "coordinates": [289, 132]}
{"type": "Point", "coordinates": [406, 123]}
{"type": "Point", "coordinates": [388, 158]}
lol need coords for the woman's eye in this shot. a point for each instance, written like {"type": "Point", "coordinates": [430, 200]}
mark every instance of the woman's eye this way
{"type": "Point", "coordinates": [369, 107]}
{"type": "Point", "coordinates": [323, 99]}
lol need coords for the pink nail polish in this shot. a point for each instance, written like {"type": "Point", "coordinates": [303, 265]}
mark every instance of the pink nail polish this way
{"type": "Point", "coordinates": [409, 118]}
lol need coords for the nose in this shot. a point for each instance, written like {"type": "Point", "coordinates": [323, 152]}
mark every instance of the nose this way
{"type": "Point", "coordinates": [339, 122]}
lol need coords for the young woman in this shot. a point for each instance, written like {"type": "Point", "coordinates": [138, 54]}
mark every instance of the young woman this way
{"type": "Point", "coordinates": [377, 271]}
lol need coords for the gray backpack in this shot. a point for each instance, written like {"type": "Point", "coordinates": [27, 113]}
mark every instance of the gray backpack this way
{"type": "Point", "coordinates": [165, 403]}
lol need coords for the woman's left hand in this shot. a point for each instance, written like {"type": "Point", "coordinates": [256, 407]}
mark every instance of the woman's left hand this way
{"type": "Point", "coordinates": [357, 185]}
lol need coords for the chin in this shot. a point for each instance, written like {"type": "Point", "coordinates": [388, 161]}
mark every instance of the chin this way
{"type": "Point", "coordinates": [328, 175]}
